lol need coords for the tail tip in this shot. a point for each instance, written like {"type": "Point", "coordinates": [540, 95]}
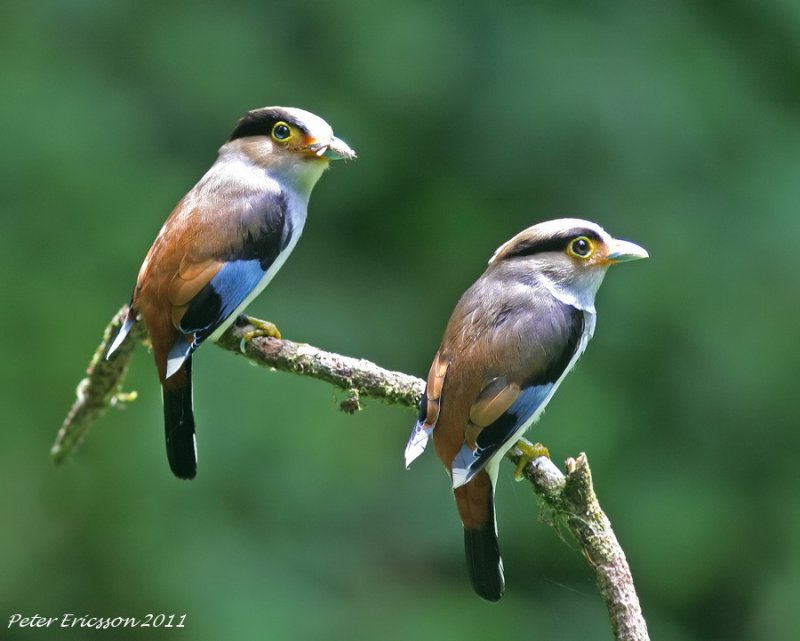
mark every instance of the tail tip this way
{"type": "Point", "coordinates": [484, 563]}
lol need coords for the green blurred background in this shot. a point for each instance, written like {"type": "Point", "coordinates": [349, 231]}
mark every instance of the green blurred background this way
{"type": "Point", "coordinates": [675, 125]}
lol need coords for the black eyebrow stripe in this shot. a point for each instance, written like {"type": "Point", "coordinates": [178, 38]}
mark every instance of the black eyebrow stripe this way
{"type": "Point", "coordinates": [553, 244]}
{"type": "Point", "coordinates": [260, 123]}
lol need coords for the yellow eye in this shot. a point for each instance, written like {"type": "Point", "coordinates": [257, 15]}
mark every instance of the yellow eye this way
{"type": "Point", "coordinates": [581, 247]}
{"type": "Point", "coordinates": [281, 131]}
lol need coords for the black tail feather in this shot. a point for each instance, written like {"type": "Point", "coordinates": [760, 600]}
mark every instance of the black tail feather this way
{"type": "Point", "coordinates": [483, 560]}
{"type": "Point", "coordinates": [179, 422]}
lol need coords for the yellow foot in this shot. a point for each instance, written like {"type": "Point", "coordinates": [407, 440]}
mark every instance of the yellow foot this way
{"type": "Point", "coordinates": [530, 451]}
{"type": "Point", "coordinates": [260, 328]}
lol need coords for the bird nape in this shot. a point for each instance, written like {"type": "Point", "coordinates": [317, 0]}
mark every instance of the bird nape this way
{"type": "Point", "coordinates": [510, 341]}
{"type": "Point", "coordinates": [219, 248]}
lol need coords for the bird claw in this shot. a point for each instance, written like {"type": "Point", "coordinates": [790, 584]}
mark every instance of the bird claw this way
{"type": "Point", "coordinates": [260, 328]}
{"type": "Point", "coordinates": [529, 452]}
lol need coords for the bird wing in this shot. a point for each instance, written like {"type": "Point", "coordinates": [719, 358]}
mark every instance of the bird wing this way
{"type": "Point", "coordinates": [225, 254]}
{"type": "Point", "coordinates": [534, 359]}
{"type": "Point", "coordinates": [514, 409]}
{"type": "Point", "coordinates": [216, 298]}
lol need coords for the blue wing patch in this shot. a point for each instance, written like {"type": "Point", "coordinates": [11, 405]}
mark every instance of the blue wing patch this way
{"type": "Point", "coordinates": [468, 462]}
{"type": "Point", "coordinates": [213, 305]}
{"type": "Point", "coordinates": [220, 297]}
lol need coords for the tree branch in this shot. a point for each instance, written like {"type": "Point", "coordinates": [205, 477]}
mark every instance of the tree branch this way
{"type": "Point", "coordinates": [101, 389]}
{"type": "Point", "coordinates": [572, 501]}
{"type": "Point", "coordinates": [570, 498]}
{"type": "Point", "coordinates": [358, 377]}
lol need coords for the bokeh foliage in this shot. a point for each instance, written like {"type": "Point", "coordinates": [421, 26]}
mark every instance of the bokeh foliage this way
{"type": "Point", "coordinates": [676, 125]}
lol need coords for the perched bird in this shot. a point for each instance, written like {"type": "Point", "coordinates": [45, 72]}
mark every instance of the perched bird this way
{"type": "Point", "coordinates": [511, 340]}
{"type": "Point", "coordinates": [221, 245]}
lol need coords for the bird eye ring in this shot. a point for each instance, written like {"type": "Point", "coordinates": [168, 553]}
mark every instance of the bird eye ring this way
{"type": "Point", "coordinates": [581, 247]}
{"type": "Point", "coordinates": [281, 131]}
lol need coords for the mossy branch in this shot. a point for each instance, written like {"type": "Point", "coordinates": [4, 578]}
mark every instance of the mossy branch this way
{"type": "Point", "coordinates": [573, 502]}
{"type": "Point", "coordinates": [100, 389]}
{"type": "Point", "coordinates": [569, 497]}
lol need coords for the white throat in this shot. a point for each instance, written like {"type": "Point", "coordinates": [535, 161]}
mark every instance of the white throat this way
{"type": "Point", "coordinates": [580, 293]}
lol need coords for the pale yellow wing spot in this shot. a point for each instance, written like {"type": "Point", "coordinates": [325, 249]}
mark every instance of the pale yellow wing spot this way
{"type": "Point", "coordinates": [190, 279]}
{"type": "Point", "coordinates": [493, 401]}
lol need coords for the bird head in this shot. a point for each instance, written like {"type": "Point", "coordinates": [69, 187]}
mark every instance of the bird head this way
{"type": "Point", "coordinates": [290, 143]}
{"type": "Point", "coordinates": [569, 255]}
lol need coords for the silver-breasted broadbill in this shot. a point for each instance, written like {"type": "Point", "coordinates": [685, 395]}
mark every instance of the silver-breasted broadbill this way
{"type": "Point", "coordinates": [512, 338]}
{"type": "Point", "coordinates": [221, 246]}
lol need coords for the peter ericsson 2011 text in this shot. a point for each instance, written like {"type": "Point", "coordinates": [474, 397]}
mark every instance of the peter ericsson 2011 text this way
{"type": "Point", "coordinates": [70, 620]}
